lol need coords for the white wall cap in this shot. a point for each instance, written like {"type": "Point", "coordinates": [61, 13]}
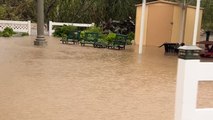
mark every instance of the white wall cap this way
{"type": "Point", "coordinates": [189, 48]}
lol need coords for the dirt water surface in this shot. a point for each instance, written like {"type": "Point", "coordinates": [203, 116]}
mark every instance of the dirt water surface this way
{"type": "Point", "coordinates": [70, 82]}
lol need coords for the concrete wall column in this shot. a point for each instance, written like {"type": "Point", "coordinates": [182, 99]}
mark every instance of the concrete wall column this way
{"type": "Point", "coordinates": [40, 40]}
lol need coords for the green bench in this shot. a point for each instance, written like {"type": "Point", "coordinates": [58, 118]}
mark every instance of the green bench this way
{"type": "Point", "coordinates": [119, 42]}
{"type": "Point", "coordinates": [90, 38]}
{"type": "Point", "coordinates": [73, 37]}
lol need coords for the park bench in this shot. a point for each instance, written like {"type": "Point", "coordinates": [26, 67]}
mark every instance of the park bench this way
{"type": "Point", "coordinates": [73, 36]}
{"type": "Point", "coordinates": [119, 42]}
{"type": "Point", "coordinates": [90, 38]}
{"type": "Point", "coordinates": [171, 47]}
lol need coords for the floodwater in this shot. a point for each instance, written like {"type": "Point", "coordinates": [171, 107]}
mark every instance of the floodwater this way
{"type": "Point", "coordinates": [70, 82]}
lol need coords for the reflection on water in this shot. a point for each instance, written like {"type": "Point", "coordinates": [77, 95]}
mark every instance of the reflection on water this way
{"type": "Point", "coordinates": [70, 82]}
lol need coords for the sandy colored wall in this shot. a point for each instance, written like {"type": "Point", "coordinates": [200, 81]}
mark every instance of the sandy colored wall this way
{"type": "Point", "coordinates": [189, 28]}
{"type": "Point", "coordinates": [176, 24]}
{"type": "Point", "coordinates": [138, 25]}
{"type": "Point", "coordinates": [159, 29]}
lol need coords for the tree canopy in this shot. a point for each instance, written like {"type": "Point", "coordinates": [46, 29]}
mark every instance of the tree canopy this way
{"type": "Point", "coordinates": [85, 11]}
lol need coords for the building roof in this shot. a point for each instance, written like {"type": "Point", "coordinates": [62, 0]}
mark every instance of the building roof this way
{"type": "Point", "coordinates": [166, 2]}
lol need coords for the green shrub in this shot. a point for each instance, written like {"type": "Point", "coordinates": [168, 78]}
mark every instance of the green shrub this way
{"type": "Point", "coordinates": [110, 37]}
{"type": "Point", "coordinates": [102, 39]}
{"type": "Point", "coordinates": [1, 34]}
{"type": "Point", "coordinates": [24, 34]}
{"type": "Point", "coordinates": [2, 11]}
{"type": "Point", "coordinates": [82, 34]}
{"type": "Point", "coordinates": [92, 29]}
{"type": "Point", "coordinates": [209, 26]}
{"type": "Point", "coordinates": [64, 37]}
{"type": "Point", "coordinates": [6, 34]}
{"type": "Point", "coordinates": [9, 30]}
{"type": "Point", "coordinates": [131, 36]}
{"type": "Point", "coordinates": [58, 32]}
{"type": "Point", "coordinates": [129, 42]}
{"type": "Point", "coordinates": [64, 30]}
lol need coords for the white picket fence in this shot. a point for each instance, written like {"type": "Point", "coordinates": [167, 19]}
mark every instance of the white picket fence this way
{"type": "Point", "coordinates": [51, 24]}
{"type": "Point", "coordinates": [190, 73]}
{"type": "Point", "coordinates": [17, 26]}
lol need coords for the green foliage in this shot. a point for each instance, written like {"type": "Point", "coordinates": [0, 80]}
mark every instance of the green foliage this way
{"type": "Point", "coordinates": [64, 30]}
{"type": "Point", "coordinates": [208, 26]}
{"type": "Point", "coordinates": [1, 34]}
{"type": "Point", "coordinates": [24, 34]}
{"type": "Point", "coordinates": [82, 34]}
{"type": "Point", "coordinates": [2, 11]}
{"type": "Point", "coordinates": [129, 42]}
{"type": "Point", "coordinates": [110, 37]}
{"type": "Point", "coordinates": [207, 22]}
{"type": "Point", "coordinates": [87, 11]}
{"type": "Point", "coordinates": [131, 36]}
{"type": "Point", "coordinates": [94, 29]}
{"type": "Point", "coordinates": [107, 39]}
{"type": "Point", "coordinates": [8, 32]}
{"type": "Point", "coordinates": [102, 39]}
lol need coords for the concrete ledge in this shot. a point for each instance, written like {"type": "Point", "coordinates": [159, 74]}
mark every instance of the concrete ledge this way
{"type": "Point", "coordinates": [40, 42]}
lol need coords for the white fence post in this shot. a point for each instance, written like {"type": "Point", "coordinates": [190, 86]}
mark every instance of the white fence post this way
{"type": "Point", "coordinates": [51, 24]}
{"type": "Point", "coordinates": [50, 28]}
{"type": "Point", "coordinates": [93, 24]}
{"type": "Point", "coordinates": [190, 72]}
{"type": "Point", "coordinates": [29, 27]}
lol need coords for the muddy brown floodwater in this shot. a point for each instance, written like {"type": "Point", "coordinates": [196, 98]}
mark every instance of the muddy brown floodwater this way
{"type": "Point", "coordinates": [70, 82]}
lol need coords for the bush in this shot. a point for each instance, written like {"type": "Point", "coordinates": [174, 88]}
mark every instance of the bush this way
{"type": "Point", "coordinates": [131, 36]}
{"type": "Point", "coordinates": [92, 29]}
{"type": "Point", "coordinates": [8, 32]}
{"type": "Point", "coordinates": [24, 34]}
{"type": "Point", "coordinates": [128, 42]}
{"type": "Point", "coordinates": [110, 37]}
{"type": "Point", "coordinates": [64, 30]}
{"type": "Point", "coordinates": [102, 39]}
{"type": "Point", "coordinates": [2, 11]}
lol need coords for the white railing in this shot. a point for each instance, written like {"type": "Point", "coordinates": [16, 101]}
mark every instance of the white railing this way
{"type": "Point", "coordinates": [17, 26]}
{"type": "Point", "coordinates": [190, 73]}
{"type": "Point", "coordinates": [51, 24]}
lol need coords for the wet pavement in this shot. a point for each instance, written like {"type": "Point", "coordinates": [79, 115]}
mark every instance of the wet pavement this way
{"type": "Point", "coordinates": [70, 82]}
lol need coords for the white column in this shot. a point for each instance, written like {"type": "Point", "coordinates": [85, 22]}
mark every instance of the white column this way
{"type": "Point", "coordinates": [197, 16]}
{"type": "Point", "coordinates": [29, 27]}
{"type": "Point", "coordinates": [50, 28]}
{"type": "Point", "coordinates": [186, 90]}
{"type": "Point", "coordinates": [142, 26]}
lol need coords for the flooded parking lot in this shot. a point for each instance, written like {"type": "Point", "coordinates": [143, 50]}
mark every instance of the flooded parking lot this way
{"type": "Point", "coordinates": [70, 82]}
